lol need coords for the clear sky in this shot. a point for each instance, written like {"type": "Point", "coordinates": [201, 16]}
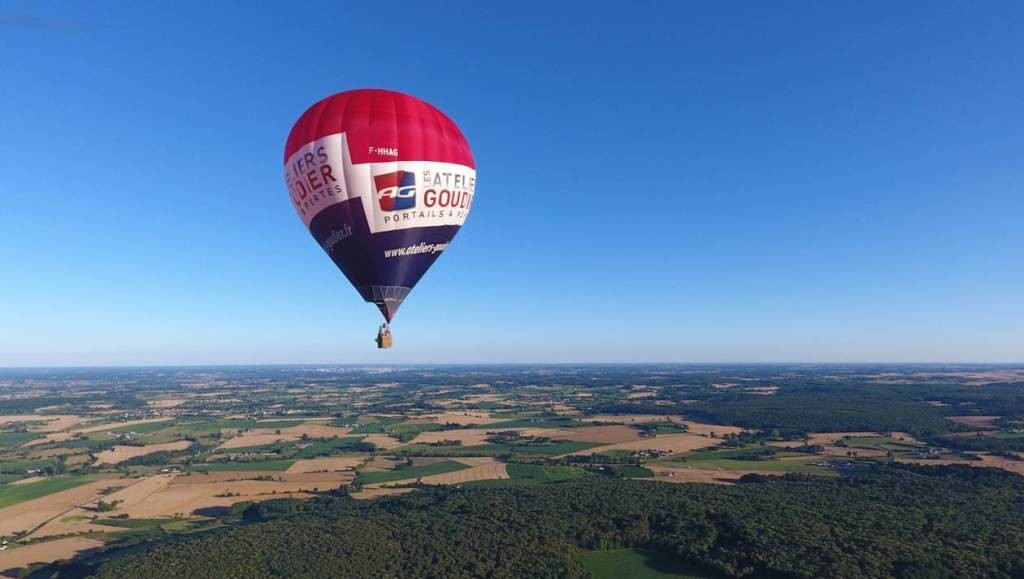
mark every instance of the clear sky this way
{"type": "Point", "coordinates": [657, 181]}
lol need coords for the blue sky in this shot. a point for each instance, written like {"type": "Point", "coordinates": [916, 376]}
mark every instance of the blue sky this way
{"type": "Point", "coordinates": [657, 181]}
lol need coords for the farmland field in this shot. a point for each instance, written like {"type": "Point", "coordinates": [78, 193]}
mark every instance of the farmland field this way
{"type": "Point", "coordinates": [736, 459]}
{"type": "Point", "coordinates": [14, 494]}
{"type": "Point", "coordinates": [136, 462]}
{"type": "Point", "coordinates": [255, 466]}
{"type": "Point", "coordinates": [635, 564]}
{"type": "Point", "coordinates": [530, 474]}
{"type": "Point", "coordinates": [411, 472]}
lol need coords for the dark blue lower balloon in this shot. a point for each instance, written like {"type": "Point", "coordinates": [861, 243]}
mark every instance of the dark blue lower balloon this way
{"type": "Point", "coordinates": [383, 267]}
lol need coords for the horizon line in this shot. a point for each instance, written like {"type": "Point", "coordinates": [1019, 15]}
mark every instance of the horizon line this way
{"type": "Point", "coordinates": [539, 364]}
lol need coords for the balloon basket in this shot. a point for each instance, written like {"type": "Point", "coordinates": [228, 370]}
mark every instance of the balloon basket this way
{"type": "Point", "coordinates": [384, 339]}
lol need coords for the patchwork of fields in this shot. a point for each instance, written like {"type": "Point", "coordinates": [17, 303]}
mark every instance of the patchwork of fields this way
{"type": "Point", "coordinates": [105, 465]}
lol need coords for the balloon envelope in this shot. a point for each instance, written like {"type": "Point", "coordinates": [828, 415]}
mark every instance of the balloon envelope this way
{"type": "Point", "coordinates": [383, 181]}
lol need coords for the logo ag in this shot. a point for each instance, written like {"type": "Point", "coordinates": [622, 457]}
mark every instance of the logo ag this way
{"type": "Point", "coordinates": [396, 191]}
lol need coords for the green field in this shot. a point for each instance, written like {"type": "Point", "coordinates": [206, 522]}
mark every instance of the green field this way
{"type": "Point", "coordinates": [544, 473]}
{"type": "Point", "coordinates": [1008, 435]}
{"type": "Point", "coordinates": [531, 422]}
{"type": "Point", "coordinates": [92, 444]}
{"type": "Point", "coordinates": [413, 427]}
{"type": "Point", "coordinates": [530, 475]}
{"type": "Point", "coordinates": [374, 427]}
{"type": "Point", "coordinates": [234, 424]}
{"type": "Point", "coordinates": [549, 449]}
{"type": "Point", "coordinates": [21, 466]}
{"type": "Point", "coordinates": [266, 465]}
{"type": "Point", "coordinates": [731, 459]}
{"type": "Point", "coordinates": [131, 523]}
{"type": "Point", "coordinates": [635, 564]}
{"type": "Point", "coordinates": [326, 447]}
{"type": "Point", "coordinates": [878, 442]}
{"type": "Point", "coordinates": [14, 494]}
{"type": "Point", "coordinates": [136, 527]}
{"type": "Point", "coordinates": [409, 472]}
{"type": "Point", "coordinates": [16, 438]}
{"type": "Point", "coordinates": [310, 448]}
{"type": "Point", "coordinates": [662, 427]}
{"type": "Point", "coordinates": [146, 428]}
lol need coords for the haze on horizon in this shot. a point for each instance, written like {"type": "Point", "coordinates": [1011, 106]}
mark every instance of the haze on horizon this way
{"type": "Point", "coordinates": [675, 183]}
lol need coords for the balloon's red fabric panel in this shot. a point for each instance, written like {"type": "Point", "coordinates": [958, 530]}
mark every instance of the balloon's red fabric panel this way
{"type": "Point", "coordinates": [378, 122]}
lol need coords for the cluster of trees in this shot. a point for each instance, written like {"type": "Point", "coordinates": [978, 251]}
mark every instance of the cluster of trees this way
{"type": "Point", "coordinates": [163, 457]}
{"type": "Point", "coordinates": [895, 520]}
{"type": "Point", "coordinates": [827, 411]}
{"type": "Point", "coordinates": [981, 442]}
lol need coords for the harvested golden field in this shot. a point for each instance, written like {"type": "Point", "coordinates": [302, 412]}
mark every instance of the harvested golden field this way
{"type": "Point", "coordinates": [109, 425]}
{"type": "Point", "coordinates": [695, 427]}
{"type": "Point", "coordinates": [30, 514]}
{"type": "Point", "coordinates": [78, 520]}
{"type": "Point", "coordinates": [473, 460]}
{"type": "Point", "coordinates": [166, 403]}
{"type": "Point", "coordinates": [564, 410]}
{"type": "Point", "coordinates": [467, 436]}
{"type": "Point", "coordinates": [138, 490]}
{"type": "Point", "coordinates": [1004, 463]}
{"type": "Point", "coordinates": [611, 434]}
{"type": "Point", "coordinates": [257, 437]}
{"type": "Point", "coordinates": [28, 481]}
{"type": "Point", "coordinates": [45, 552]}
{"type": "Point", "coordinates": [447, 403]}
{"type": "Point", "coordinates": [77, 459]}
{"type": "Point", "coordinates": [478, 398]}
{"type": "Point", "coordinates": [844, 452]}
{"type": "Point", "coordinates": [668, 443]}
{"type": "Point", "coordinates": [484, 471]}
{"type": "Point", "coordinates": [707, 429]}
{"type": "Point", "coordinates": [122, 453]}
{"type": "Point", "coordinates": [52, 437]}
{"type": "Point", "coordinates": [683, 474]}
{"type": "Point", "coordinates": [52, 452]}
{"type": "Point", "coordinates": [833, 450]}
{"type": "Point", "coordinates": [465, 417]}
{"type": "Point", "coordinates": [317, 430]}
{"type": "Point", "coordinates": [261, 436]}
{"type": "Point", "coordinates": [329, 463]}
{"type": "Point", "coordinates": [379, 464]}
{"type": "Point", "coordinates": [383, 441]}
{"type": "Point", "coordinates": [373, 492]}
{"type": "Point", "coordinates": [54, 422]}
{"type": "Point", "coordinates": [986, 460]}
{"type": "Point", "coordinates": [188, 494]}
{"type": "Point", "coordinates": [990, 376]}
{"type": "Point", "coordinates": [831, 437]}
{"type": "Point", "coordinates": [905, 437]}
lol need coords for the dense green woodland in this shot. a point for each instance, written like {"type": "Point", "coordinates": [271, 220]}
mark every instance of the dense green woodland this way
{"type": "Point", "coordinates": [891, 521]}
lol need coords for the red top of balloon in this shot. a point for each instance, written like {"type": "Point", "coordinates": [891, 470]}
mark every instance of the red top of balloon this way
{"type": "Point", "coordinates": [377, 123]}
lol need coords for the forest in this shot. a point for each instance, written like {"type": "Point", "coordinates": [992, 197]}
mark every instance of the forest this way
{"type": "Point", "coordinates": [886, 521]}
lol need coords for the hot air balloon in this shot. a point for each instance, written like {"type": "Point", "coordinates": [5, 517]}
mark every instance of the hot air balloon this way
{"type": "Point", "coordinates": [383, 181]}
